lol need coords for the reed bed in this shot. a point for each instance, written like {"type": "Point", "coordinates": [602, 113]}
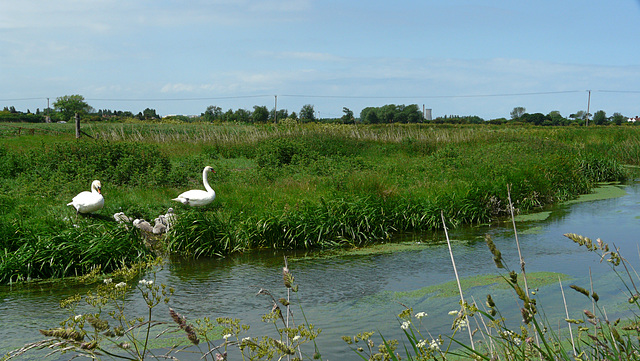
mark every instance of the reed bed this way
{"type": "Point", "coordinates": [290, 185]}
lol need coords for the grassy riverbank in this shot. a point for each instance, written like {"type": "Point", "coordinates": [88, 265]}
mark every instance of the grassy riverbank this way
{"type": "Point", "coordinates": [285, 186]}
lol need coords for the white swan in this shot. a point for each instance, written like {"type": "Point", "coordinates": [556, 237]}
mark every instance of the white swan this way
{"type": "Point", "coordinates": [88, 202]}
{"type": "Point", "coordinates": [197, 197]}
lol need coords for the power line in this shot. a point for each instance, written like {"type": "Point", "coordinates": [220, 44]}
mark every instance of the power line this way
{"type": "Point", "coordinates": [618, 91]}
{"type": "Point", "coordinates": [175, 99]}
{"type": "Point", "coordinates": [429, 96]}
{"type": "Point", "coordinates": [20, 99]}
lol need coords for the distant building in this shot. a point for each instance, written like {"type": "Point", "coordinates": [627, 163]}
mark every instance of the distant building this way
{"type": "Point", "coordinates": [633, 120]}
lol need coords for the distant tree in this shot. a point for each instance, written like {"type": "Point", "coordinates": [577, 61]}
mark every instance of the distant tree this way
{"type": "Point", "coordinates": [307, 113]}
{"type": "Point", "coordinates": [556, 117]}
{"type": "Point", "coordinates": [617, 118]}
{"type": "Point", "coordinates": [498, 121]}
{"type": "Point", "coordinates": [212, 113]}
{"type": "Point", "coordinates": [282, 114]}
{"type": "Point", "coordinates": [517, 112]}
{"type": "Point", "coordinates": [293, 115]}
{"type": "Point", "coordinates": [600, 118]}
{"type": "Point", "coordinates": [535, 118]}
{"type": "Point", "coordinates": [579, 115]}
{"type": "Point", "coordinates": [242, 115]}
{"type": "Point", "coordinates": [148, 114]}
{"type": "Point", "coordinates": [347, 118]}
{"type": "Point", "coordinates": [412, 114]}
{"type": "Point", "coordinates": [69, 105]}
{"type": "Point", "coordinates": [260, 114]}
{"type": "Point", "coordinates": [372, 118]}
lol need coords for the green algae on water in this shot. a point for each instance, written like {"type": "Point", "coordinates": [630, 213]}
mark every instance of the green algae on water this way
{"type": "Point", "coordinates": [606, 191]}
{"type": "Point", "coordinates": [532, 217]}
{"type": "Point", "coordinates": [450, 289]}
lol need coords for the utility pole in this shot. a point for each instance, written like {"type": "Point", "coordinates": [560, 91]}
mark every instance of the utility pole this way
{"type": "Point", "coordinates": [588, 104]}
{"type": "Point", "coordinates": [275, 111]}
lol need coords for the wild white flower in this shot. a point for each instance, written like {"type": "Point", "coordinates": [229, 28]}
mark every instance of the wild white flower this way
{"type": "Point", "coordinates": [246, 339]}
{"type": "Point", "coordinates": [227, 336]}
{"type": "Point", "coordinates": [422, 343]}
{"type": "Point", "coordinates": [77, 318]}
{"type": "Point", "coordinates": [107, 281]}
{"type": "Point", "coordinates": [145, 282]}
{"type": "Point", "coordinates": [434, 345]}
{"type": "Point", "coordinates": [420, 315]}
{"type": "Point", "coordinates": [453, 313]}
{"type": "Point", "coordinates": [405, 325]}
{"type": "Point", "coordinates": [121, 285]}
{"type": "Point", "coordinates": [461, 324]}
{"type": "Point", "coordinates": [296, 338]}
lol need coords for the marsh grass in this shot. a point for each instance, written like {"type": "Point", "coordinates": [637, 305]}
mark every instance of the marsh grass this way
{"type": "Point", "coordinates": [67, 251]}
{"type": "Point", "coordinates": [290, 186]}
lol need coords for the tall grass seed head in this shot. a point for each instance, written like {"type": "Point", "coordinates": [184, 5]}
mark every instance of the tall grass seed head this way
{"type": "Point", "coordinates": [497, 256]}
{"type": "Point", "coordinates": [580, 289]}
{"type": "Point", "coordinates": [287, 277]}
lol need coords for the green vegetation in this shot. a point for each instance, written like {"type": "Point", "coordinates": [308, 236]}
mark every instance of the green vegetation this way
{"type": "Point", "coordinates": [284, 186]}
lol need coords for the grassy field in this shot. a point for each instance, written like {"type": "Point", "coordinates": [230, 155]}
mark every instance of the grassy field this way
{"type": "Point", "coordinates": [282, 186]}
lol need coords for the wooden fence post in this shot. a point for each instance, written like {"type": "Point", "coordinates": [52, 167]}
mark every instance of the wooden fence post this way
{"type": "Point", "coordinates": [77, 118]}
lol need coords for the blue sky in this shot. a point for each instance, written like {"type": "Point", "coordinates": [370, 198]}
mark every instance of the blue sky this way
{"type": "Point", "coordinates": [456, 57]}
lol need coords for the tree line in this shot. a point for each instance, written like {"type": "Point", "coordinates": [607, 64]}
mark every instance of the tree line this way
{"type": "Point", "coordinates": [66, 107]}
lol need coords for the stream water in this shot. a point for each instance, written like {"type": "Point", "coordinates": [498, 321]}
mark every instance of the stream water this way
{"type": "Point", "coordinates": [352, 293]}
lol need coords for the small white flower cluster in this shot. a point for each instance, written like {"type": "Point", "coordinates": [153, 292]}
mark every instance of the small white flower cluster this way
{"type": "Point", "coordinates": [227, 336]}
{"type": "Point", "coordinates": [77, 318]}
{"type": "Point", "coordinates": [420, 315]}
{"type": "Point", "coordinates": [145, 282]}
{"type": "Point", "coordinates": [435, 345]}
{"type": "Point", "coordinates": [453, 313]}
{"type": "Point", "coordinates": [107, 281]}
{"type": "Point", "coordinates": [462, 325]}
{"type": "Point", "coordinates": [509, 335]}
{"type": "Point", "coordinates": [121, 285]}
{"type": "Point", "coordinates": [405, 325]}
{"type": "Point", "coordinates": [422, 343]}
{"type": "Point", "coordinates": [296, 338]}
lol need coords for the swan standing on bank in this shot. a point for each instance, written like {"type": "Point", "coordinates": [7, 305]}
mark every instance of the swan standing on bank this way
{"type": "Point", "coordinates": [197, 197]}
{"type": "Point", "coordinates": [88, 202]}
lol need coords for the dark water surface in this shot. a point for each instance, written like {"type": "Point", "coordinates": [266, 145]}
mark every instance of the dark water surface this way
{"type": "Point", "coordinates": [350, 294]}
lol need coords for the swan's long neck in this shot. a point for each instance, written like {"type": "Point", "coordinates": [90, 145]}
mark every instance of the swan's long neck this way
{"type": "Point", "coordinates": [205, 180]}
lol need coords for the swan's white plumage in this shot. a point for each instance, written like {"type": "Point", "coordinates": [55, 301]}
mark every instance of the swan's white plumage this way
{"type": "Point", "coordinates": [197, 197]}
{"type": "Point", "coordinates": [88, 202]}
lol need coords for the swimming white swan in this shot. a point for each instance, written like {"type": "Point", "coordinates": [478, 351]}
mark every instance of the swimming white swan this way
{"type": "Point", "coordinates": [88, 202]}
{"type": "Point", "coordinates": [197, 197]}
